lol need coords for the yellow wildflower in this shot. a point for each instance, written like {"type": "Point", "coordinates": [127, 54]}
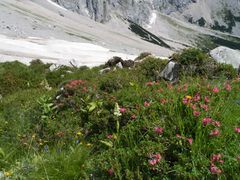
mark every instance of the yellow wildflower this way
{"type": "Point", "coordinates": [189, 97]}
{"type": "Point", "coordinates": [7, 174]}
{"type": "Point", "coordinates": [79, 133]}
{"type": "Point", "coordinates": [88, 144]}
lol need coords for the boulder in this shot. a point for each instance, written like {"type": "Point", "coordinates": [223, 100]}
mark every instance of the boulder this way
{"type": "Point", "coordinates": [171, 72]}
{"type": "Point", "coordinates": [226, 55]}
{"type": "Point", "coordinates": [128, 63]}
{"type": "Point", "coordinates": [106, 70]}
{"type": "Point", "coordinates": [119, 65]}
{"type": "Point", "coordinates": [239, 71]}
{"type": "Point", "coordinates": [113, 61]}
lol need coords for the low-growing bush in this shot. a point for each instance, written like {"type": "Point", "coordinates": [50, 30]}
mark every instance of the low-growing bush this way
{"type": "Point", "coordinates": [150, 67]}
{"type": "Point", "coordinates": [15, 76]}
{"type": "Point", "coordinates": [225, 70]}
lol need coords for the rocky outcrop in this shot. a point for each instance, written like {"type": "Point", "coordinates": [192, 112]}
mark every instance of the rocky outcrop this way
{"type": "Point", "coordinates": [220, 15]}
{"type": "Point", "coordinates": [226, 55]}
{"type": "Point", "coordinates": [171, 72]}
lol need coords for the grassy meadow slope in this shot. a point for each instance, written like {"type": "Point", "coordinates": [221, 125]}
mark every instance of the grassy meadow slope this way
{"type": "Point", "coordinates": [73, 123]}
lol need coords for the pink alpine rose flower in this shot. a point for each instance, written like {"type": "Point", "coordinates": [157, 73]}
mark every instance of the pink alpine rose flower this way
{"type": "Point", "coordinates": [147, 104]}
{"type": "Point", "coordinates": [110, 172]}
{"type": "Point", "coordinates": [110, 136]}
{"type": "Point", "coordinates": [214, 133]}
{"type": "Point", "coordinates": [216, 123]}
{"type": "Point", "coordinates": [206, 99]}
{"type": "Point", "coordinates": [154, 159]}
{"type": "Point", "coordinates": [204, 106]}
{"type": "Point", "coordinates": [228, 87]}
{"type": "Point", "coordinates": [216, 89]}
{"type": "Point", "coordinates": [158, 130]}
{"type": "Point", "coordinates": [215, 170]}
{"type": "Point", "coordinates": [122, 110]}
{"type": "Point", "coordinates": [190, 140]}
{"type": "Point", "coordinates": [206, 121]}
{"type": "Point", "coordinates": [152, 162]}
{"type": "Point", "coordinates": [216, 158]}
{"type": "Point", "coordinates": [196, 113]}
{"type": "Point", "coordinates": [150, 83]}
{"type": "Point", "coordinates": [133, 117]}
{"type": "Point", "coordinates": [197, 97]}
{"type": "Point", "coordinates": [237, 129]}
{"type": "Point", "coordinates": [178, 136]}
{"type": "Point", "coordinates": [193, 106]}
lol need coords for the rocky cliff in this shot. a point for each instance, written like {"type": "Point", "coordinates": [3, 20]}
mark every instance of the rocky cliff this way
{"type": "Point", "coordinates": [222, 15]}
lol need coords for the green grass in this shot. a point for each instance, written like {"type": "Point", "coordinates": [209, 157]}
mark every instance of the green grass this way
{"type": "Point", "coordinates": [119, 125]}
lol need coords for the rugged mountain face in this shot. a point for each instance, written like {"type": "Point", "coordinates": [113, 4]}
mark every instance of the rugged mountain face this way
{"type": "Point", "coordinates": [222, 15]}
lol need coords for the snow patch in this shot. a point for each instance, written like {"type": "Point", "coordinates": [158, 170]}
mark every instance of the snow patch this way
{"type": "Point", "coordinates": [55, 51]}
{"type": "Point", "coordinates": [152, 20]}
{"type": "Point", "coordinates": [56, 5]}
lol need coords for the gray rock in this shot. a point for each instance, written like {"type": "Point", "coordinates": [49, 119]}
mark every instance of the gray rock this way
{"type": "Point", "coordinates": [128, 63]}
{"type": "Point", "coordinates": [239, 70]}
{"type": "Point", "coordinates": [119, 65]}
{"type": "Point", "coordinates": [226, 55]}
{"type": "Point", "coordinates": [171, 72]}
{"type": "Point", "coordinates": [106, 70]}
{"type": "Point", "coordinates": [113, 61]}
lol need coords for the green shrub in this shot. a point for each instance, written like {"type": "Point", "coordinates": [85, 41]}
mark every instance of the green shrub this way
{"type": "Point", "coordinates": [15, 76]}
{"type": "Point", "coordinates": [115, 80]}
{"type": "Point", "coordinates": [150, 67]}
{"type": "Point", "coordinates": [191, 56]}
{"type": "Point", "coordinates": [195, 62]}
{"type": "Point", "coordinates": [225, 70]}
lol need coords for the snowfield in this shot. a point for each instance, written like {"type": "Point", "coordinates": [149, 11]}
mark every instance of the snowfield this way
{"type": "Point", "coordinates": [55, 51]}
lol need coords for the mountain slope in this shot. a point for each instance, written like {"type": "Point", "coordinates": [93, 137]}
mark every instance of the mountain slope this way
{"type": "Point", "coordinates": [42, 24]}
{"type": "Point", "coordinates": [223, 15]}
{"type": "Point", "coordinates": [167, 19]}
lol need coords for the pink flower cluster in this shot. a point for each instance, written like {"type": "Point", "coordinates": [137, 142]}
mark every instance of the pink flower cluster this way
{"type": "Point", "coordinates": [150, 83]}
{"type": "Point", "coordinates": [237, 129]}
{"type": "Point", "coordinates": [228, 87]}
{"type": "Point", "coordinates": [154, 159]}
{"type": "Point", "coordinates": [215, 132]}
{"type": "Point", "coordinates": [195, 103]}
{"type": "Point", "coordinates": [110, 172]}
{"type": "Point", "coordinates": [215, 89]}
{"type": "Point", "coordinates": [74, 83]}
{"type": "Point", "coordinates": [158, 130]}
{"type": "Point", "coordinates": [147, 104]}
{"type": "Point", "coordinates": [216, 158]}
{"type": "Point", "coordinates": [209, 120]}
{"type": "Point", "coordinates": [122, 110]}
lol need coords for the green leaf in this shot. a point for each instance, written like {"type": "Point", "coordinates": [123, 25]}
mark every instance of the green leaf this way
{"type": "Point", "coordinates": [107, 143]}
{"type": "Point", "coordinates": [2, 154]}
{"type": "Point", "coordinates": [92, 106]}
{"type": "Point", "coordinates": [118, 126]}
